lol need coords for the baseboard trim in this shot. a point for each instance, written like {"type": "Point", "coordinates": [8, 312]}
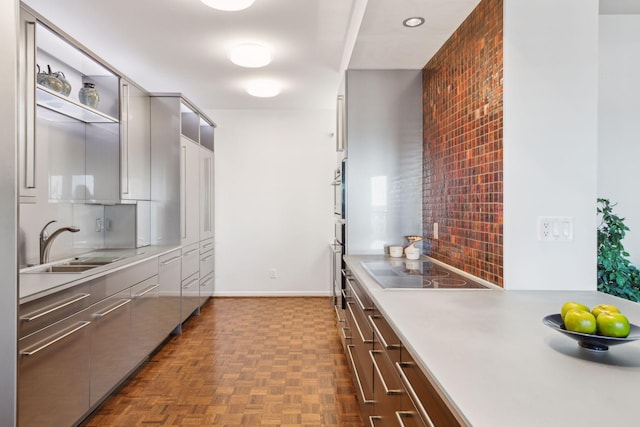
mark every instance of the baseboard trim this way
{"type": "Point", "coordinates": [271, 294]}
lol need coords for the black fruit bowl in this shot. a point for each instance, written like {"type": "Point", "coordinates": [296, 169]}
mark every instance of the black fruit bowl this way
{"type": "Point", "coordinates": [588, 341]}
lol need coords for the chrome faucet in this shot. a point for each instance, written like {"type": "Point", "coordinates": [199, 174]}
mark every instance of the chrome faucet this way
{"type": "Point", "coordinates": [46, 240]}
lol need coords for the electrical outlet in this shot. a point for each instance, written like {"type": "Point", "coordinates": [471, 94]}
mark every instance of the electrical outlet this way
{"type": "Point", "coordinates": [555, 228]}
{"type": "Point", "coordinates": [273, 273]}
{"type": "Point", "coordinates": [435, 231]}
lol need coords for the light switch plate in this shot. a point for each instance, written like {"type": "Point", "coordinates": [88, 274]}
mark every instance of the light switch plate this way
{"type": "Point", "coordinates": [555, 228]}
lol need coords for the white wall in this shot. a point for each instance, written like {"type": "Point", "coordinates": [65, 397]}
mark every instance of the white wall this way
{"type": "Point", "coordinates": [550, 140]}
{"type": "Point", "coordinates": [273, 201]}
{"type": "Point", "coordinates": [619, 122]}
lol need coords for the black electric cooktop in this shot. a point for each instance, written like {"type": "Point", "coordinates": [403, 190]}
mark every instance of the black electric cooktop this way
{"type": "Point", "coordinates": [409, 274]}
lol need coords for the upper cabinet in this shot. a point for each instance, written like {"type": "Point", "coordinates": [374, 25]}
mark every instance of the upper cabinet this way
{"type": "Point", "coordinates": [182, 151]}
{"type": "Point", "coordinates": [82, 126]}
{"type": "Point", "coordinates": [135, 143]}
{"type": "Point", "coordinates": [69, 81]}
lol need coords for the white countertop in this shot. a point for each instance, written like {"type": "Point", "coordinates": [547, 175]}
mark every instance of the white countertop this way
{"type": "Point", "coordinates": [36, 285]}
{"type": "Point", "coordinates": [501, 366]}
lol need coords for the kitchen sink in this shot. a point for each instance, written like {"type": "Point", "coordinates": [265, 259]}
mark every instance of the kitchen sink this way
{"type": "Point", "coordinates": [66, 268]}
{"type": "Point", "coordinates": [76, 265]}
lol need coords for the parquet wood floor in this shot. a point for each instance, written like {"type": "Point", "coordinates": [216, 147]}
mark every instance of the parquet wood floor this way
{"type": "Point", "coordinates": [243, 362]}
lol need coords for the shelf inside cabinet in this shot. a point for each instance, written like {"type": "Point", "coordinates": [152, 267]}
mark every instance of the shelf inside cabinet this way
{"type": "Point", "coordinates": [66, 106]}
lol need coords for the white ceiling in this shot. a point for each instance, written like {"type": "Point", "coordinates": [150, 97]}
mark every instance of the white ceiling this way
{"type": "Point", "coordinates": [180, 45]}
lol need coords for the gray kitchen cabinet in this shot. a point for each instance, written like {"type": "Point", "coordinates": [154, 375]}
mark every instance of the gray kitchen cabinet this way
{"type": "Point", "coordinates": [178, 131]}
{"type": "Point", "coordinates": [170, 280]}
{"type": "Point", "coordinates": [135, 143]}
{"type": "Point", "coordinates": [190, 288]}
{"type": "Point", "coordinates": [54, 373]}
{"type": "Point", "coordinates": [110, 344]}
{"type": "Point", "coordinates": [55, 124]}
{"type": "Point", "coordinates": [206, 198]}
{"type": "Point", "coordinates": [190, 300]}
{"type": "Point", "coordinates": [147, 312]}
{"type": "Point", "coordinates": [190, 191]}
{"type": "Point", "coordinates": [207, 269]}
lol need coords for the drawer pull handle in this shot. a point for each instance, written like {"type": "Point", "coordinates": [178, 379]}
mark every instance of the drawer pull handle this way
{"type": "Point", "coordinates": [355, 372]}
{"type": "Point", "coordinates": [51, 308]}
{"type": "Point", "coordinates": [170, 261]}
{"type": "Point", "coordinates": [355, 295]}
{"type": "Point", "coordinates": [379, 334]}
{"type": "Point", "coordinates": [355, 320]}
{"type": "Point", "coordinates": [372, 354]}
{"type": "Point", "coordinates": [340, 319]}
{"type": "Point", "coordinates": [207, 258]}
{"type": "Point", "coordinates": [344, 333]}
{"type": "Point", "coordinates": [146, 291]}
{"type": "Point", "coordinates": [403, 414]}
{"type": "Point", "coordinates": [54, 339]}
{"type": "Point", "coordinates": [373, 419]}
{"type": "Point", "coordinates": [414, 396]}
{"type": "Point", "coordinates": [203, 284]}
{"type": "Point", "coordinates": [206, 245]}
{"type": "Point", "coordinates": [190, 284]}
{"type": "Point", "coordinates": [192, 251]}
{"type": "Point", "coordinates": [111, 309]}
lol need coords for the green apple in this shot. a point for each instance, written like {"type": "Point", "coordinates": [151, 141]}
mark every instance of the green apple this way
{"type": "Point", "coordinates": [578, 320]}
{"type": "Point", "coordinates": [613, 325]}
{"type": "Point", "coordinates": [570, 305]}
{"type": "Point", "coordinates": [604, 307]}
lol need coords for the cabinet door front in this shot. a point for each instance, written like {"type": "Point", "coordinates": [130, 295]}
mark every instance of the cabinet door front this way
{"type": "Point", "coordinates": [110, 343]}
{"type": "Point", "coordinates": [53, 367]}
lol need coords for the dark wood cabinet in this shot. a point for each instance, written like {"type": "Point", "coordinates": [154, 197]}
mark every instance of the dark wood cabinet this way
{"type": "Point", "coordinates": [391, 388]}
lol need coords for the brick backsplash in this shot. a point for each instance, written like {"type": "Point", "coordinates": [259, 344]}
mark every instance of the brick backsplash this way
{"type": "Point", "coordinates": [462, 169]}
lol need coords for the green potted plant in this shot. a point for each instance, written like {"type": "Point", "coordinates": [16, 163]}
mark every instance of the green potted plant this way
{"type": "Point", "coordinates": [616, 275]}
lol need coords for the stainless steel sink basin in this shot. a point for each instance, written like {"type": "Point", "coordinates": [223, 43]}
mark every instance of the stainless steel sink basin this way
{"type": "Point", "coordinates": [76, 265]}
{"type": "Point", "coordinates": [66, 268]}
{"type": "Point", "coordinates": [94, 260]}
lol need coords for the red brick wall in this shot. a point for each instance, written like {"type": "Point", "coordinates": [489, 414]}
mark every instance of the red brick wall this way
{"type": "Point", "coordinates": [462, 176]}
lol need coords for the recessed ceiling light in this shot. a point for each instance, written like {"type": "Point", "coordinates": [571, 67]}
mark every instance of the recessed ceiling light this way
{"type": "Point", "coordinates": [264, 88]}
{"type": "Point", "coordinates": [229, 5]}
{"type": "Point", "coordinates": [250, 55]}
{"type": "Point", "coordinates": [414, 21]}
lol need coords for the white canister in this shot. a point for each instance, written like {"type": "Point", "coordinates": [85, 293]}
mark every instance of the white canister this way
{"type": "Point", "coordinates": [395, 251]}
{"type": "Point", "coordinates": [412, 252]}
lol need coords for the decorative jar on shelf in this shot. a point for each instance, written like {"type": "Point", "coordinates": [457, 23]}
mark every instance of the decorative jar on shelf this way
{"type": "Point", "coordinates": [49, 80]}
{"type": "Point", "coordinates": [66, 86]}
{"type": "Point", "coordinates": [88, 95]}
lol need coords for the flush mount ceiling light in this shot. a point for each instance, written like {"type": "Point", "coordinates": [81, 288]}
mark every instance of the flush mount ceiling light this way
{"type": "Point", "coordinates": [264, 88]}
{"type": "Point", "coordinates": [250, 55]}
{"type": "Point", "coordinates": [414, 21]}
{"type": "Point", "coordinates": [229, 5]}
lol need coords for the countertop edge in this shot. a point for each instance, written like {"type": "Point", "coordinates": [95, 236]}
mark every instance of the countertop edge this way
{"type": "Point", "coordinates": [62, 281]}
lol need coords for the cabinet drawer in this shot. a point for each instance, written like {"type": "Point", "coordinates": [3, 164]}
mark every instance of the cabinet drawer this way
{"type": "Point", "coordinates": [359, 295]}
{"type": "Point", "coordinates": [120, 280]}
{"type": "Point", "coordinates": [429, 403]}
{"type": "Point", "coordinates": [53, 367]}
{"type": "Point", "coordinates": [207, 262]}
{"type": "Point", "coordinates": [190, 260]}
{"type": "Point", "coordinates": [42, 312]}
{"type": "Point", "coordinates": [148, 328]}
{"type": "Point", "coordinates": [364, 391]}
{"type": "Point", "coordinates": [384, 336]}
{"type": "Point", "coordinates": [190, 300]}
{"type": "Point", "coordinates": [207, 245]}
{"type": "Point", "coordinates": [110, 343]}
